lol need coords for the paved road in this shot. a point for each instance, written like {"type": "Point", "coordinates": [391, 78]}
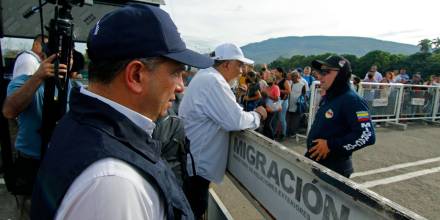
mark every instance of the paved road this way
{"type": "Point", "coordinates": [415, 183]}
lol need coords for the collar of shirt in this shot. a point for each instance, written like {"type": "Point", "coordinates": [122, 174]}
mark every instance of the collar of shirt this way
{"type": "Point", "coordinates": [143, 122]}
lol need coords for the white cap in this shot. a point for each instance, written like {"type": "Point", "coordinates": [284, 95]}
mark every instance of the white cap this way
{"type": "Point", "coordinates": [229, 51]}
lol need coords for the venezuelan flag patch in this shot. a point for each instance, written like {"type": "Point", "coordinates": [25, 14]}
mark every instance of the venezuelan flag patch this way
{"type": "Point", "coordinates": [363, 116]}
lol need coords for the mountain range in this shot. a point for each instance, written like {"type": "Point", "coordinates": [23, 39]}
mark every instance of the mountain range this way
{"type": "Point", "coordinates": [268, 50]}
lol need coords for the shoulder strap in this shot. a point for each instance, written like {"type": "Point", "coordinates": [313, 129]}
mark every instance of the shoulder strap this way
{"type": "Point", "coordinates": [30, 53]}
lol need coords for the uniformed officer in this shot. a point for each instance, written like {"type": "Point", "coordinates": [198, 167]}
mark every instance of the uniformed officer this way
{"type": "Point", "coordinates": [342, 123]}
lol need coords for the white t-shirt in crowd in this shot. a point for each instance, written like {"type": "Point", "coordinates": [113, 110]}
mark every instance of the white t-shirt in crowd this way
{"type": "Point", "coordinates": [27, 63]}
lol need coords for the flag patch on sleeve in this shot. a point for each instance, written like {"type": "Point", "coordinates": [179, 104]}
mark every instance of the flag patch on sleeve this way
{"type": "Point", "coordinates": [362, 116]}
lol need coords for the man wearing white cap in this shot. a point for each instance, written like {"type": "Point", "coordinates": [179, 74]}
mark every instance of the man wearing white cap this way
{"type": "Point", "coordinates": [210, 112]}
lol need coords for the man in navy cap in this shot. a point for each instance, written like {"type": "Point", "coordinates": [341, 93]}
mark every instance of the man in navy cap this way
{"type": "Point", "coordinates": [102, 162]}
{"type": "Point", "coordinates": [342, 123]}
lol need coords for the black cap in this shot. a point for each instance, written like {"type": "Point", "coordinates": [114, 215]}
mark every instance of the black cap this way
{"type": "Point", "coordinates": [334, 61]}
{"type": "Point", "coordinates": [140, 31]}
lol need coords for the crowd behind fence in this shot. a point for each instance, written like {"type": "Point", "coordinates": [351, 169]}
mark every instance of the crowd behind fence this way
{"type": "Point", "coordinates": [390, 102]}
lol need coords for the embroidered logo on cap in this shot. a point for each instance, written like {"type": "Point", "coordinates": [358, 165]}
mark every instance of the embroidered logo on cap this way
{"type": "Point", "coordinates": [342, 63]}
{"type": "Point", "coordinates": [329, 113]}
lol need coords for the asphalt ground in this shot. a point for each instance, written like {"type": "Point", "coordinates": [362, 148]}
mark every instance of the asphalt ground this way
{"type": "Point", "coordinates": [411, 159]}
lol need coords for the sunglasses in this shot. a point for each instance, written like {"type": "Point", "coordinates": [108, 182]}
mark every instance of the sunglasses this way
{"type": "Point", "coordinates": [324, 72]}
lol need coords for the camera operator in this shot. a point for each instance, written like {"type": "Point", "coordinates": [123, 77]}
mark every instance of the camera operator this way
{"type": "Point", "coordinates": [24, 100]}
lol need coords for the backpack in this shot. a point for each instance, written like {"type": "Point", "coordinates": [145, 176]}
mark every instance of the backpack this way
{"type": "Point", "coordinates": [175, 146]}
{"type": "Point", "coordinates": [301, 105]}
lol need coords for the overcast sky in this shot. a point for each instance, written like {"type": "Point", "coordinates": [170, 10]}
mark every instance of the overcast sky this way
{"type": "Point", "coordinates": [207, 23]}
{"type": "Point", "coordinates": [247, 21]}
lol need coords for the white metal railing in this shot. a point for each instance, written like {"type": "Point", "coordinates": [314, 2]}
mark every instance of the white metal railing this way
{"type": "Point", "coordinates": [390, 102]}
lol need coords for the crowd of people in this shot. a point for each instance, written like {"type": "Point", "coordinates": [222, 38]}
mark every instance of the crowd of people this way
{"type": "Point", "coordinates": [283, 94]}
{"type": "Point", "coordinates": [396, 76]}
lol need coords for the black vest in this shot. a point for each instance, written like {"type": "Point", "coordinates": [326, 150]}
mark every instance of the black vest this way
{"type": "Point", "coordinates": [92, 130]}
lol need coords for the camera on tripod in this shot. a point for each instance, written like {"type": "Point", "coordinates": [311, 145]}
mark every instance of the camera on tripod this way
{"type": "Point", "coordinates": [61, 41]}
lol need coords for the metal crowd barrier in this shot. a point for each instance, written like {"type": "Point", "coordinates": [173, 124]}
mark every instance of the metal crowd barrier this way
{"type": "Point", "coordinates": [391, 102]}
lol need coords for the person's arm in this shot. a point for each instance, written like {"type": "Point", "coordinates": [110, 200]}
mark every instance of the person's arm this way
{"type": "Point", "coordinates": [222, 108]}
{"type": "Point", "coordinates": [360, 132]}
{"type": "Point", "coordinates": [20, 99]}
{"type": "Point", "coordinates": [287, 88]}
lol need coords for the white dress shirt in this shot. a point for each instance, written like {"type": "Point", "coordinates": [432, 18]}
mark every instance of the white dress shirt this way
{"type": "Point", "coordinates": [210, 112]}
{"type": "Point", "coordinates": [111, 188]}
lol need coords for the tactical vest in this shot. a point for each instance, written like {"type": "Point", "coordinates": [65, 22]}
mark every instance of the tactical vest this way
{"type": "Point", "coordinates": [92, 131]}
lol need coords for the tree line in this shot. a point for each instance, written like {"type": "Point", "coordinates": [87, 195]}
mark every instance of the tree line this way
{"type": "Point", "coordinates": [426, 61]}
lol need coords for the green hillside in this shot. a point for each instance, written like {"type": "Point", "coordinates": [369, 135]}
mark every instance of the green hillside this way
{"type": "Point", "coordinates": [269, 50]}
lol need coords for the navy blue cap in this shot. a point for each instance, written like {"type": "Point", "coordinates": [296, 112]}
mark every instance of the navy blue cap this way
{"type": "Point", "coordinates": [140, 31]}
{"type": "Point", "coordinates": [333, 61]}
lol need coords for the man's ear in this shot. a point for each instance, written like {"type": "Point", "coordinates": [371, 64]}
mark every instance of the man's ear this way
{"type": "Point", "coordinates": [134, 76]}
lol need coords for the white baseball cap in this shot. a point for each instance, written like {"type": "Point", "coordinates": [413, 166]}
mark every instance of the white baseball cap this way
{"type": "Point", "coordinates": [229, 51]}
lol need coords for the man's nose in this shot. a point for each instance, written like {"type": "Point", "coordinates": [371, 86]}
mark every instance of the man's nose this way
{"type": "Point", "coordinates": [180, 87]}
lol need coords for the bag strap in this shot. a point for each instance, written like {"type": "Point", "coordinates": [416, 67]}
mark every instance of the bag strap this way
{"type": "Point", "coordinates": [186, 146]}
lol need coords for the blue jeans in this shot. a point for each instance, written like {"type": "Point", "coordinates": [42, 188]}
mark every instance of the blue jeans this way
{"type": "Point", "coordinates": [282, 116]}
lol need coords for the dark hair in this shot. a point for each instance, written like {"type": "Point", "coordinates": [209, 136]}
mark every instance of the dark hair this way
{"type": "Point", "coordinates": [356, 79]}
{"type": "Point", "coordinates": [251, 74]}
{"type": "Point", "coordinates": [280, 69]}
{"type": "Point", "coordinates": [40, 37]}
{"type": "Point", "coordinates": [106, 70]}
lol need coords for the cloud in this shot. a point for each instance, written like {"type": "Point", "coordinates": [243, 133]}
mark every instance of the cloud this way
{"type": "Point", "coordinates": [396, 33]}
